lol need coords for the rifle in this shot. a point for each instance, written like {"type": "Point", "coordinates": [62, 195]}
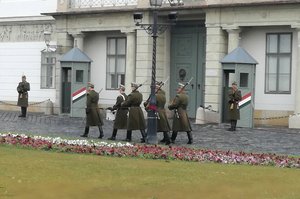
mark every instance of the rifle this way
{"type": "Point", "coordinates": [187, 83]}
{"type": "Point", "coordinates": [160, 86]}
{"type": "Point", "coordinates": [100, 91]}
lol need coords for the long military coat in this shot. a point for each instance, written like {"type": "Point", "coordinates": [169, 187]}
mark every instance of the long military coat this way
{"type": "Point", "coordinates": [93, 116]}
{"type": "Point", "coordinates": [162, 120]}
{"type": "Point", "coordinates": [233, 104]}
{"type": "Point", "coordinates": [121, 114]}
{"type": "Point", "coordinates": [136, 120]}
{"type": "Point", "coordinates": [23, 89]}
{"type": "Point", "coordinates": [180, 120]}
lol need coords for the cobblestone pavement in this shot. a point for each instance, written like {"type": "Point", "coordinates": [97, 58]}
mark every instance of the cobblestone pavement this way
{"type": "Point", "coordinates": [209, 136]}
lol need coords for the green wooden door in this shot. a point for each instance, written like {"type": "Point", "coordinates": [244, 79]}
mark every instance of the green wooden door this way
{"type": "Point", "coordinates": [66, 90]}
{"type": "Point", "coordinates": [187, 61]}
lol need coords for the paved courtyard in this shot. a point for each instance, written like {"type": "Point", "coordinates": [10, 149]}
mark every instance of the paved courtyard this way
{"type": "Point", "coordinates": [209, 136]}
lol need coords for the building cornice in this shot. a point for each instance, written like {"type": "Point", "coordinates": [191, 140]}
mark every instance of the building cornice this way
{"type": "Point", "coordinates": [25, 19]}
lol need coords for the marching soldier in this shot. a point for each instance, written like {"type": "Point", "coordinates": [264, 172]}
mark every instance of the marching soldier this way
{"type": "Point", "coordinates": [180, 120]}
{"type": "Point", "coordinates": [235, 97]}
{"type": "Point", "coordinates": [93, 116]}
{"type": "Point", "coordinates": [121, 113]}
{"type": "Point", "coordinates": [23, 89]}
{"type": "Point", "coordinates": [136, 120]}
{"type": "Point", "coordinates": [162, 120]}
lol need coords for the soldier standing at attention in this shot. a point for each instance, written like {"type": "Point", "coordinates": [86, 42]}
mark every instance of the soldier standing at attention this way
{"type": "Point", "coordinates": [162, 120]}
{"type": "Point", "coordinates": [234, 97]}
{"type": "Point", "coordinates": [23, 89]}
{"type": "Point", "coordinates": [93, 116]}
{"type": "Point", "coordinates": [180, 120]}
{"type": "Point", "coordinates": [136, 120]}
{"type": "Point", "coordinates": [121, 114]}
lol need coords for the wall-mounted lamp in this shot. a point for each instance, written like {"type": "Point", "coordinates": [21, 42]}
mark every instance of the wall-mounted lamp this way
{"type": "Point", "coordinates": [138, 18]}
{"type": "Point", "coordinates": [172, 16]}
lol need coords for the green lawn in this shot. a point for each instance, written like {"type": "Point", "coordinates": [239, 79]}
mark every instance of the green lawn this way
{"type": "Point", "coordinates": [32, 174]}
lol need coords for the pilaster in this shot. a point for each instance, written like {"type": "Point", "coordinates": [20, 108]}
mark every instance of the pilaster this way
{"type": "Point", "coordinates": [130, 59]}
{"type": "Point", "coordinates": [215, 51]}
{"type": "Point", "coordinates": [233, 37]}
{"type": "Point", "coordinates": [294, 120]}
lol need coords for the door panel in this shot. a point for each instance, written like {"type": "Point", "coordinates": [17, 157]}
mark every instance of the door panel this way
{"type": "Point", "coordinates": [228, 78]}
{"type": "Point", "coordinates": [188, 61]}
{"type": "Point", "coordinates": [66, 90]}
{"type": "Point", "coordinates": [184, 67]}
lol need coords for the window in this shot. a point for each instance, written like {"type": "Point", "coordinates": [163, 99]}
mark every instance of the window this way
{"type": "Point", "coordinates": [48, 69]}
{"type": "Point", "coordinates": [79, 76]}
{"type": "Point", "coordinates": [115, 62]}
{"type": "Point", "coordinates": [244, 78]}
{"type": "Point", "coordinates": [278, 63]}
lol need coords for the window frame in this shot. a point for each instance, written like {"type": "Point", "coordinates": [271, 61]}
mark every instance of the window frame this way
{"type": "Point", "coordinates": [278, 55]}
{"type": "Point", "coordinates": [116, 56]}
{"type": "Point", "coordinates": [45, 65]}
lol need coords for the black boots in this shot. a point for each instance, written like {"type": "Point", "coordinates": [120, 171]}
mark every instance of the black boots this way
{"type": "Point", "coordinates": [101, 132]}
{"type": "Point", "coordinates": [190, 137]}
{"type": "Point", "coordinates": [23, 111]}
{"type": "Point", "coordinates": [129, 133]}
{"type": "Point", "coordinates": [173, 138]}
{"type": "Point", "coordinates": [167, 138]}
{"type": "Point", "coordinates": [143, 133]}
{"type": "Point", "coordinates": [86, 132]}
{"type": "Point", "coordinates": [128, 136]}
{"type": "Point", "coordinates": [114, 134]}
{"type": "Point", "coordinates": [232, 125]}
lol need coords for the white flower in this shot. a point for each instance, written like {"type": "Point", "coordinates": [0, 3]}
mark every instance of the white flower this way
{"type": "Point", "coordinates": [79, 142]}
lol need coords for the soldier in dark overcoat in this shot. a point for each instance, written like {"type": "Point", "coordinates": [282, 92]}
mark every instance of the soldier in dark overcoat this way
{"type": "Point", "coordinates": [93, 116]}
{"type": "Point", "coordinates": [234, 97]}
{"type": "Point", "coordinates": [180, 120]}
{"type": "Point", "coordinates": [136, 120]}
{"type": "Point", "coordinates": [23, 89]}
{"type": "Point", "coordinates": [121, 113]}
{"type": "Point", "coordinates": [162, 120]}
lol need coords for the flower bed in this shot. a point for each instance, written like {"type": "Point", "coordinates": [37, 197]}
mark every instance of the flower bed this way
{"type": "Point", "coordinates": [148, 151]}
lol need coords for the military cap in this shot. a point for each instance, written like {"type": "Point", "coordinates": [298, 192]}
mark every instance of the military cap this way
{"type": "Point", "coordinates": [91, 85]}
{"type": "Point", "coordinates": [234, 83]}
{"type": "Point", "coordinates": [135, 85]}
{"type": "Point", "coordinates": [122, 87]}
{"type": "Point", "coordinates": [158, 84]}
